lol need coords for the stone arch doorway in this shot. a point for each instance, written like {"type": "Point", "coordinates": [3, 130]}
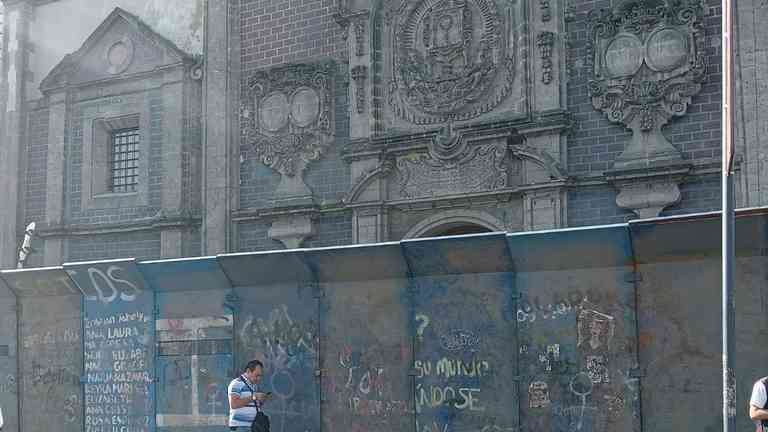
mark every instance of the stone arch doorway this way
{"type": "Point", "coordinates": [455, 222]}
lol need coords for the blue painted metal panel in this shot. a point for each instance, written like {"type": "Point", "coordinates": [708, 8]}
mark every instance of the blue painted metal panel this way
{"type": "Point", "coordinates": [683, 238]}
{"type": "Point", "coordinates": [51, 357]}
{"type": "Point", "coordinates": [278, 324]}
{"type": "Point", "coordinates": [463, 320]}
{"type": "Point", "coordinates": [265, 268]}
{"type": "Point", "coordinates": [44, 282]}
{"type": "Point", "coordinates": [577, 330]}
{"type": "Point", "coordinates": [190, 274]}
{"type": "Point", "coordinates": [364, 338]}
{"type": "Point", "coordinates": [9, 390]}
{"type": "Point", "coordinates": [571, 248]}
{"type": "Point", "coordinates": [477, 253]}
{"type": "Point", "coordinates": [119, 346]}
{"type": "Point", "coordinates": [362, 262]}
{"type": "Point", "coordinates": [195, 332]}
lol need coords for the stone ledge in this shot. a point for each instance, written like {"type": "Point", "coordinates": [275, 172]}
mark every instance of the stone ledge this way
{"type": "Point", "coordinates": [154, 223]}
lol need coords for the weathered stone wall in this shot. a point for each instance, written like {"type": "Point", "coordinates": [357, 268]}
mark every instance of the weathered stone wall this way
{"type": "Point", "coordinates": [274, 34]}
{"type": "Point", "coordinates": [378, 162]}
{"type": "Point", "coordinates": [595, 142]}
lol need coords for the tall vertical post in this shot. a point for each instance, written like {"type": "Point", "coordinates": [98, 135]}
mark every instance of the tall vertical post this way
{"type": "Point", "coordinates": [727, 219]}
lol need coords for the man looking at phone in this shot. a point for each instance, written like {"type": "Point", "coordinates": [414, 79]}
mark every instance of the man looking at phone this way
{"type": "Point", "coordinates": [245, 399]}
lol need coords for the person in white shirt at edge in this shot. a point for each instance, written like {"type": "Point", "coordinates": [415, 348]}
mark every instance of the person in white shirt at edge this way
{"type": "Point", "coordinates": [757, 405]}
{"type": "Point", "coordinates": [1, 418]}
{"type": "Point", "coordinates": [244, 398]}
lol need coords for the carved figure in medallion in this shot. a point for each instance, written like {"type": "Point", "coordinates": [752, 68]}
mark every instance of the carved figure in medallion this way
{"type": "Point", "coordinates": [647, 62]}
{"type": "Point", "coordinates": [452, 60]}
{"type": "Point", "coordinates": [290, 121]}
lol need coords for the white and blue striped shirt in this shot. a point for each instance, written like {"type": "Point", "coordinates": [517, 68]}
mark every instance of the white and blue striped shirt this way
{"type": "Point", "coordinates": [243, 389]}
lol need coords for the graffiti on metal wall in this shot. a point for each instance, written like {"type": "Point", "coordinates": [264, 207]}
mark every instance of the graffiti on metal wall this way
{"type": "Point", "coordinates": [462, 373]}
{"type": "Point", "coordinates": [575, 361]}
{"type": "Point", "coordinates": [286, 340]}
{"type": "Point", "coordinates": [118, 342]}
{"type": "Point", "coordinates": [366, 357]}
{"type": "Point", "coordinates": [195, 359]}
{"type": "Point", "coordinates": [51, 362]}
{"type": "Point", "coordinates": [105, 285]}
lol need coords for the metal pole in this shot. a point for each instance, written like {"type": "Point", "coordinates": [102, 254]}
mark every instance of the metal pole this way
{"type": "Point", "coordinates": [727, 219]}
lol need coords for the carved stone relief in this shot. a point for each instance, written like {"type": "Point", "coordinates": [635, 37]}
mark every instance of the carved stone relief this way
{"type": "Point", "coordinates": [450, 59]}
{"type": "Point", "coordinates": [483, 168]}
{"type": "Point", "coordinates": [359, 77]}
{"type": "Point", "coordinates": [119, 56]}
{"type": "Point", "coordinates": [290, 120]}
{"type": "Point", "coordinates": [647, 62]}
{"type": "Point", "coordinates": [359, 27]}
{"type": "Point", "coordinates": [546, 13]}
{"type": "Point", "coordinates": [545, 41]}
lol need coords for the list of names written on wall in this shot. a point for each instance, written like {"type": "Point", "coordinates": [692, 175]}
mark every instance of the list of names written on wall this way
{"type": "Point", "coordinates": [118, 365]}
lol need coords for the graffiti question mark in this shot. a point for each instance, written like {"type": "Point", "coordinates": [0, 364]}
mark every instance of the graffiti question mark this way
{"type": "Point", "coordinates": [423, 321]}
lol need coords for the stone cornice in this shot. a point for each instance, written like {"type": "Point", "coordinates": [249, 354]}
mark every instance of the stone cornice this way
{"type": "Point", "coordinates": [549, 122]}
{"type": "Point", "coordinates": [159, 222]}
{"type": "Point", "coordinates": [458, 200]}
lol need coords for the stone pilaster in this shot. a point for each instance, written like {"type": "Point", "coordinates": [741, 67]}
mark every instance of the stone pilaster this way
{"type": "Point", "coordinates": [53, 253]}
{"type": "Point", "coordinates": [12, 122]}
{"type": "Point", "coordinates": [218, 142]}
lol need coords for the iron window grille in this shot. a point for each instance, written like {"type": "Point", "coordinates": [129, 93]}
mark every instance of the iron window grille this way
{"type": "Point", "coordinates": [125, 160]}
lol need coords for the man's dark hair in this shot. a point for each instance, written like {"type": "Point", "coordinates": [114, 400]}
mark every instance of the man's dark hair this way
{"type": "Point", "coordinates": [253, 364]}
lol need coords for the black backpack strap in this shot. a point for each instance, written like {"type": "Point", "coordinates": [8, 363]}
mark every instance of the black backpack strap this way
{"type": "Point", "coordinates": [242, 378]}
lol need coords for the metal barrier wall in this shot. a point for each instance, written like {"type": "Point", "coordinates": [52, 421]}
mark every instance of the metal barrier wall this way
{"type": "Point", "coordinates": [610, 328]}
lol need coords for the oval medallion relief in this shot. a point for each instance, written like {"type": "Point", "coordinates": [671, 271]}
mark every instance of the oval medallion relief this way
{"type": "Point", "coordinates": [274, 112]}
{"type": "Point", "coordinates": [624, 55]}
{"type": "Point", "coordinates": [119, 56]}
{"type": "Point", "coordinates": [666, 49]}
{"type": "Point", "coordinates": [305, 106]}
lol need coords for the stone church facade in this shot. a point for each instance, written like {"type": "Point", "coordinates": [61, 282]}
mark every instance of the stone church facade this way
{"type": "Point", "coordinates": [170, 128]}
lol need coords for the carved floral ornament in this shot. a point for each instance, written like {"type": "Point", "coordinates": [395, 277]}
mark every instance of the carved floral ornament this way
{"type": "Point", "coordinates": [647, 62]}
{"type": "Point", "coordinates": [290, 115]}
{"type": "Point", "coordinates": [452, 60]}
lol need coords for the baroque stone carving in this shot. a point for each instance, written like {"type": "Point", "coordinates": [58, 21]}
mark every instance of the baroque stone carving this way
{"type": "Point", "coordinates": [359, 28]}
{"type": "Point", "coordinates": [359, 75]}
{"type": "Point", "coordinates": [482, 169]}
{"type": "Point", "coordinates": [647, 61]}
{"type": "Point", "coordinates": [452, 60]}
{"type": "Point", "coordinates": [546, 12]}
{"type": "Point", "coordinates": [648, 199]}
{"type": "Point", "coordinates": [290, 120]}
{"type": "Point", "coordinates": [545, 41]}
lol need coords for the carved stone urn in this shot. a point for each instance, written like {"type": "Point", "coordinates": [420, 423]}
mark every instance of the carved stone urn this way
{"type": "Point", "coordinates": [290, 122]}
{"type": "Point", "coordinates": [647, 61]}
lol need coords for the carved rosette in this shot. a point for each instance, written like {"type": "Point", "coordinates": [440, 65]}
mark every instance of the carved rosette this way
{"type": "Point", "coordinates": [290, 120]}
{"type": "Point", "coordinates": [647, 62]}
{"type": "Point", "coordinates": [452, 60]}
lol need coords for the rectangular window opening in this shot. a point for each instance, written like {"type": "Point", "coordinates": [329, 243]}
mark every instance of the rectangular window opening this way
{"type": "Point", "coordinates": [124, 160]}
